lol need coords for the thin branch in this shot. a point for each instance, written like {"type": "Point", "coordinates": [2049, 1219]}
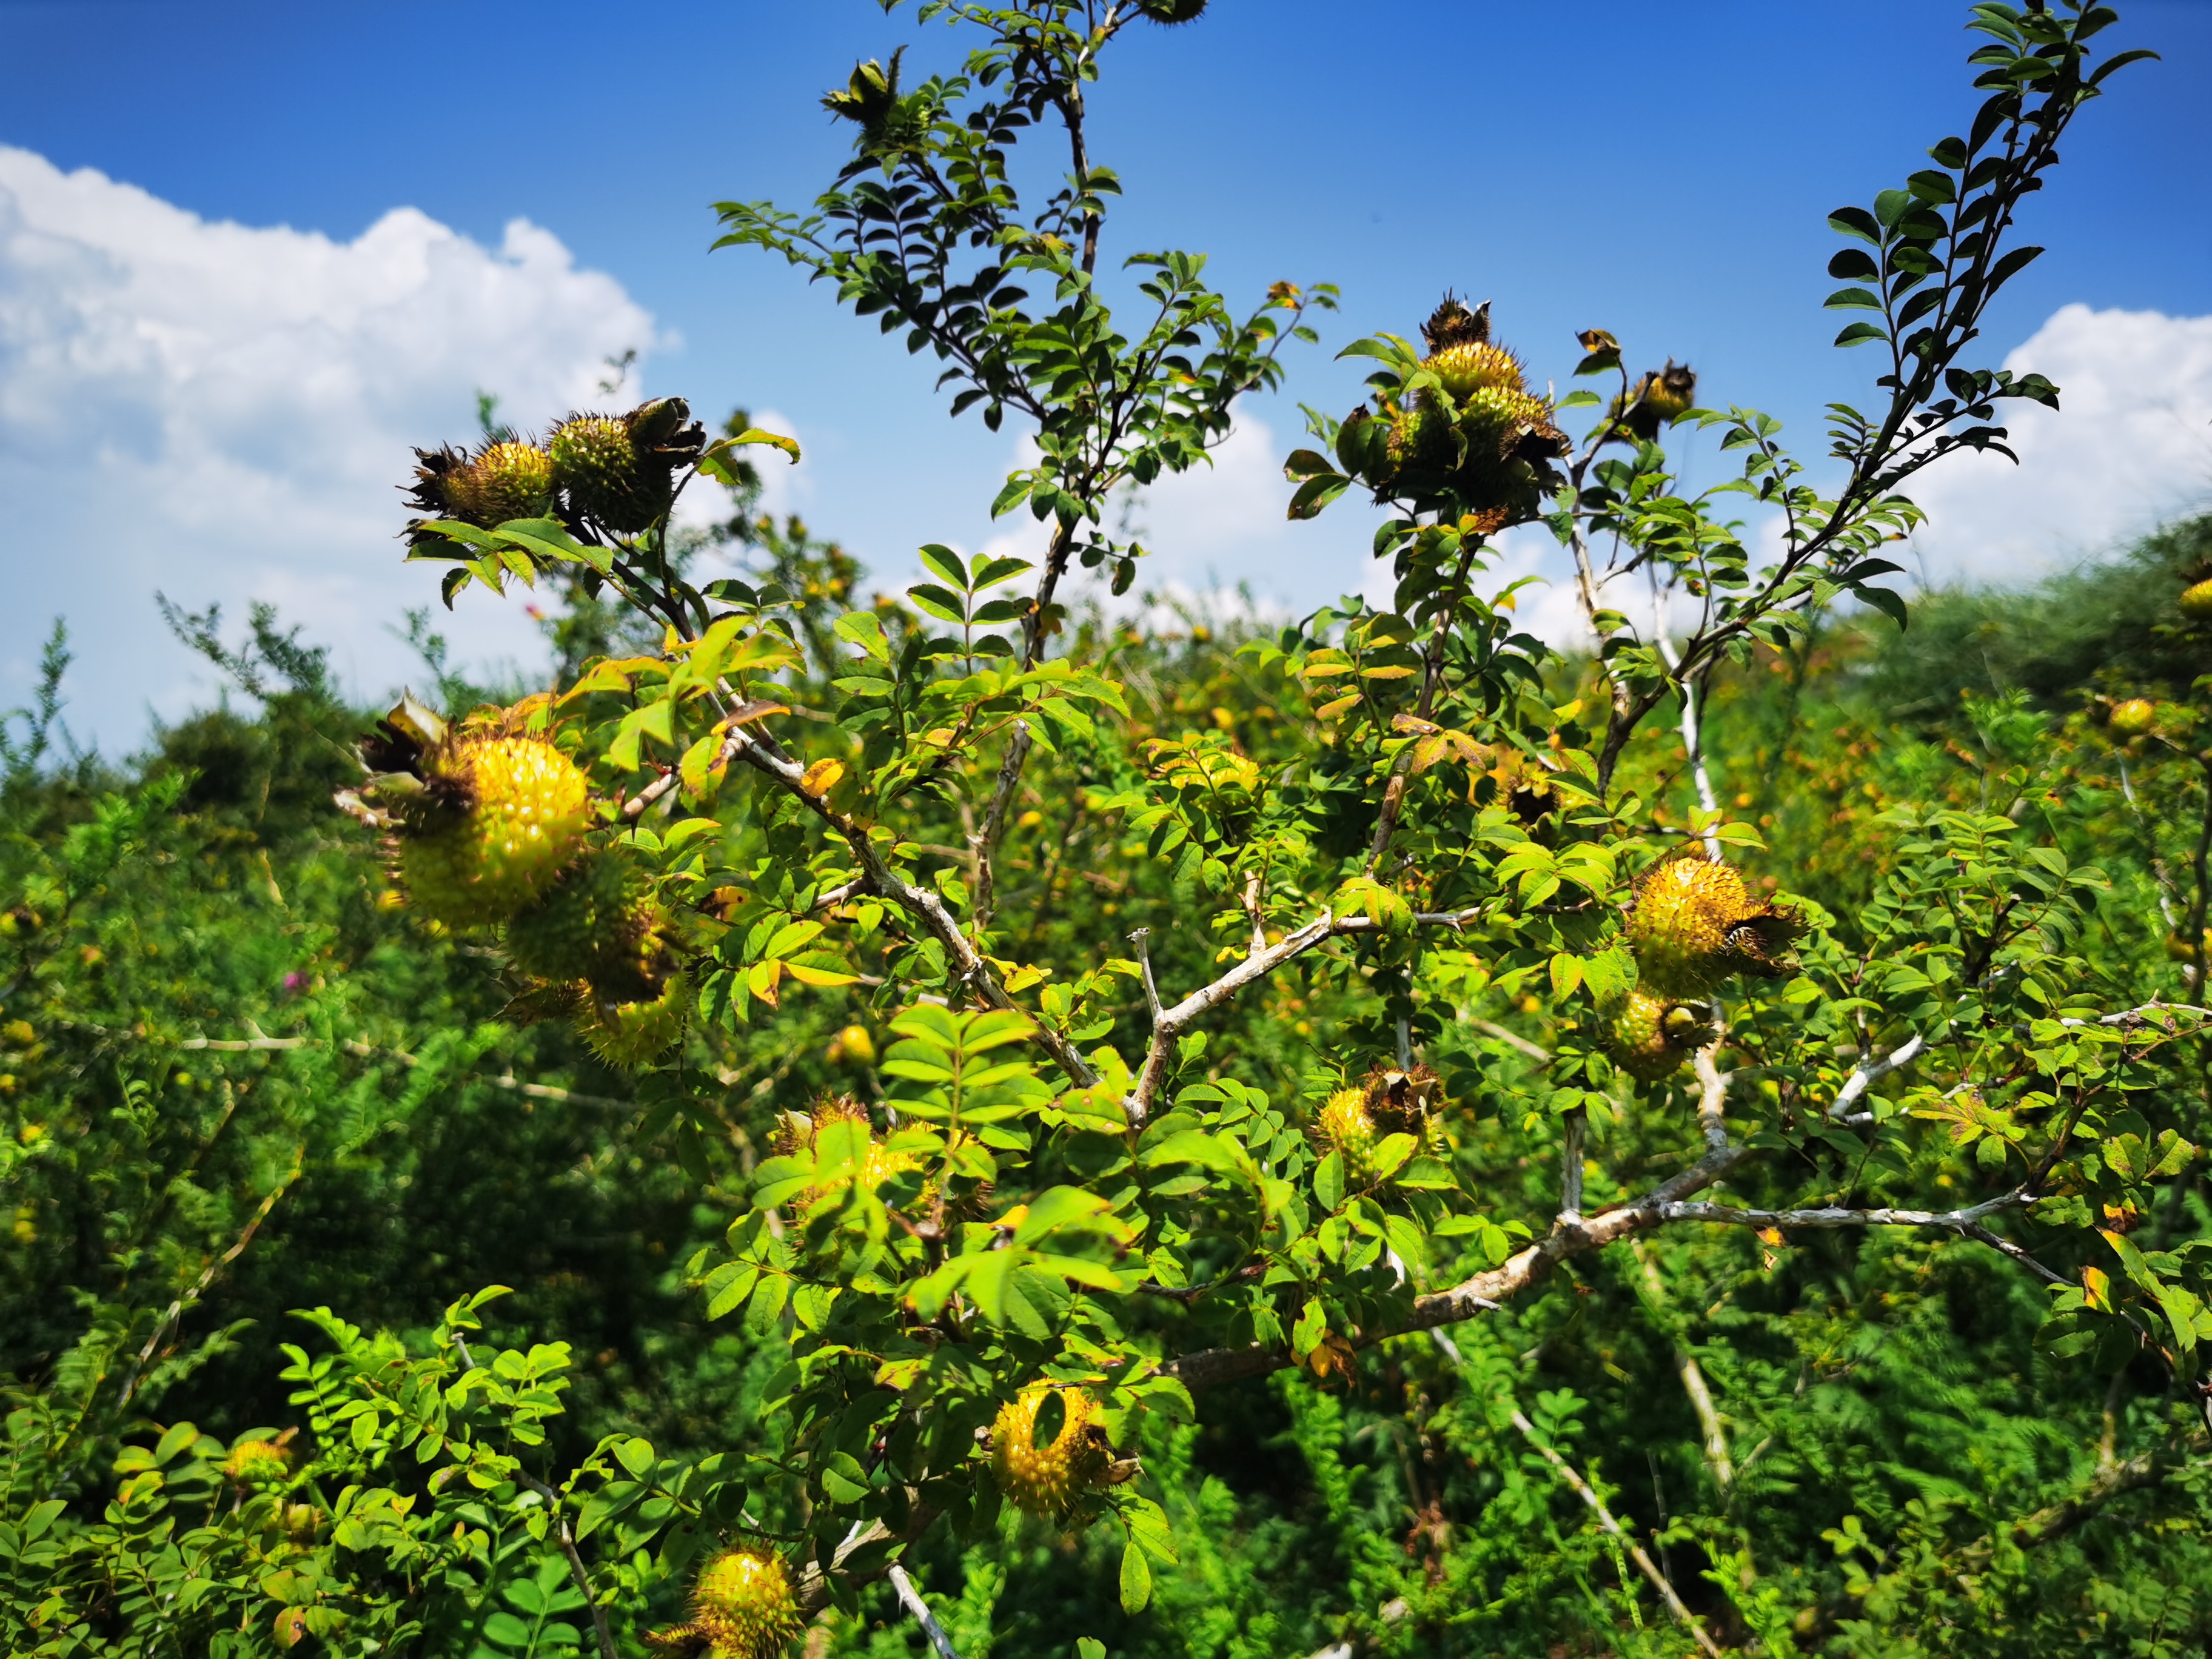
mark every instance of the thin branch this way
{"type": "Point", "coordinates": [1484, 1291]}
{"type": "Point", "coordinates": [1576, 1125]}
{"type": "Point", "coordinates": [1584, 1490]}
{"type": "Point", "coordinates": [911, 1598]}
{"type": "Point", "coordinates": [1693, 1375]}
{"type": "Point", "coordinates": [1870, 1073]}
{"type": "Point", "coordinates": [1693, 748]}
{"type": "Point", "coordinates": [1832, 1217]}
{"type": "Point", "coordinates": [175, 1310]}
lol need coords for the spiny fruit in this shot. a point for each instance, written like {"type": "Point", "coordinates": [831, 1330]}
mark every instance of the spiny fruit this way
{"type": "Point", "coordinates": [860, 1157]}
{"type": "Point", "coordinates": [257, 1463]}
{"type": "Point", "coordinates": [1650, 1036]}
{"type": "Point", "coordinates": [2196, 601]}
{"type": "Point", "coordinates": [1050, 1480]}
{"type": "Point", "coordinates": [507, 480]}
{"type": "Point", "coordinates": [629, 1034]}
{"type": "Point", "coordinates": [1694, 924]}
{"type": "Point", "coordinates": [742, 1606]}
{"type": "Point", "coordinates": [620, 469]}
{"type": "Point", "coordinates": [597, 922]}
{"type": "Point", "coordinates": [500, 819]}
{"type": "Point", "coordinates": [1475, 364]}
{"type": "Point", "coordinates": [2134, 717]}
{"type": "Point", "coordinates": [1346, 1128]}
{"type": "Point", "coordinates": [1171, 11]}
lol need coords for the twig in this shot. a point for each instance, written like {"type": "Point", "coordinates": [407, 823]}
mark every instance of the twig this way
{"type": "Point", "coordinates": [1693, 1375]}
{"type": "Point", "coordinates": [1511, 1039]}
{"type": "Point", "coordinates": [175, 1310]}
{"type": "Point", "coordinates": [1693, 748]}
{"type": "Point", "coordinates": [1712, 1096]}
{"type": "Point", "coordinates": [1584, 1490]}
{"type": "Point", "coordinates": [912, 1599]}
{"type": "Point", "coordinates": [1486, 1291]}
{"type": "Point", "coordinates": [1571, 1168]}
{"type": "Point", "coordinates": [1871, 1072]}
{"type": "Point", "coordinates": [1831, 1217]}
{"type": "Point", "coordinates": [1139, 938]}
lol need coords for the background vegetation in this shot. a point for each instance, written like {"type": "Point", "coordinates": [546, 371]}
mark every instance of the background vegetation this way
{"type": "Point", "coordinates": [271, 1136]}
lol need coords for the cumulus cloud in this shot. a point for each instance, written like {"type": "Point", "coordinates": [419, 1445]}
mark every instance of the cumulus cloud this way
{"type": "Point", "coordinates": [2130, 448]}
{"type": "Point", "coordinates": [221, 412]}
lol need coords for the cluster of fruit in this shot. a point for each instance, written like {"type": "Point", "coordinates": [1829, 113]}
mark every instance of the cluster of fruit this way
{"type": "Point", "coordinates": [488, 823]}
{"type": "Point", "coordinates": [1693, 925]}
{"type": "Point", "coordinates": [613, 472]}
{"type": "Point", "coordinates": [1462, 432]}
{"type": "Point", "coordinates": [1354, 1122]}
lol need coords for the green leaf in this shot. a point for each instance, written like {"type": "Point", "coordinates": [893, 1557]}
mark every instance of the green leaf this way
{"type": "Point", "coordinates": [1860, 333]}
{"type": "Point", "coordinates": [1329, 1181]}
{"type": "Point", "coordinates": [1136, 1579]}
{"type": "Point", "coordinates": [946, 565]}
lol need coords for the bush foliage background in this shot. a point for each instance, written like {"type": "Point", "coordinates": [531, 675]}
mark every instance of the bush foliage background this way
{"type": "Point", "coordinates": [272, 1136]}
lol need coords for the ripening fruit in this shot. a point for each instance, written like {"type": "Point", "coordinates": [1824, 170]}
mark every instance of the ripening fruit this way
{"type": "Point", "coordinates": [2196, 601]}
{"type": "Point", "coordinates": [1694, 924]}
{"type": "Point", "coordinates": [1472, 365]}
{"type": "Point", "coordinates": [509, 480]}
{"type": "Point", "coordinates": [853, 1047]}
{"type": "Point", "coordinates": [743, 1604]}
{"type": "Point", "coordinates": [1650, 1036]}
{"type": "Point", "coordinates": [596, 465]}
{"type": "Point", "coordinates": [597, 922]}
{"type": "Point", "coordinates": [1346, 1128]}
{"type": "Point", "coordinates": [257, 1463]}
{"type": "Point", "coordinates": [628, 1034]}
{"type": "Point", "coordinates": [512, 813]}
{"type": "Point", "coordinates": [619, 469]}
{"type": "Point", "coordinates": [2135, 717]}
{"type": "Point", "coordinates": [1049, 1480]}
{"type": "Point", "coordinates": [301, 1522]}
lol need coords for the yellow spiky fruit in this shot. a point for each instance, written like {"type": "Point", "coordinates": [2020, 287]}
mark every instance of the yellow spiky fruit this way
{"type": "Point", "coordinates": [257, 1463]}
{"type": "Point", "coordinates": [2196, 601]}
{"type": "Point", "coordinates": [744, 1606]}
{"type": "Point", "coordinates": [1346, 1127]}
{"type": "Point", "coordinates": [863, 1160]}
{"type": "Point", "coordinates": [631, 1033]}
{"type": "Point", "coordinates": [1650, 1036]}
{"type": "Point", "coordinates": [1694, 924]}
{"type": "Point", "coordinates": [1474, 365]}
{"type": "Point", "coordinates": [513, 814]}
{"type": "Point", "coordinates": [2134, 718]}
{"type": "Point", "coordinates": [1050, 1480]}
{"type": "Point", "coordinates": [509, 480]}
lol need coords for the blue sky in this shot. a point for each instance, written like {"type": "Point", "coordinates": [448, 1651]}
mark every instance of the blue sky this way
{"type": "Point", "coordinates": [1664, 172]}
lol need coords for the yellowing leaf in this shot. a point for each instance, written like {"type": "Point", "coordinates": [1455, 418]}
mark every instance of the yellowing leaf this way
{"type": "Point", "coordinates": [822, 777]}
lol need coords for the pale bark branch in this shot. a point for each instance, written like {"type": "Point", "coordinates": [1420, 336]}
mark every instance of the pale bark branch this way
{"type": "Point", "coordinates": [910, 1598]}
{"type": "Point", "coordinates": [1693, 1375]}
{"type": "Point", "coordinates": [1870, 1072]}
{"type": "Point", "coordinates": [1584, 1490]}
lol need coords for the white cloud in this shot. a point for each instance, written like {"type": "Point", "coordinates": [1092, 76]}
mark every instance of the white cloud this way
{"type": "Point", "coordinates": [2130, 448]}
{"type": "Point", "coordinates": [222, 412]}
